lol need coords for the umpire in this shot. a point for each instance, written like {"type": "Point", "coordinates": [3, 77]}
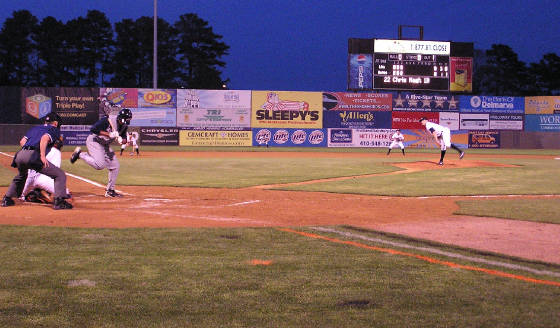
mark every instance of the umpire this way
{"type": "Point", "coordinates": [35, 145]}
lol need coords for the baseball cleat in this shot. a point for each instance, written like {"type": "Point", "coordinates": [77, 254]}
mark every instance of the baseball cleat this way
{"type": "Point", "coordinates": [462, 155]}
{"type": "Point", "coordinates": [440, 163]}
{"type": "Point", "coordinates": [61, 204]}
{"type": "Point", "coordinates": [7, 201]}
{"type": "Point", "coordinates": [75, 155]}
{"type": "Point", "coordinates": [112, 193]}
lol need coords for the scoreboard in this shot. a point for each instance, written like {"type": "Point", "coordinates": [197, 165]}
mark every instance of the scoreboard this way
{"type": "Point", "coordinates": [383, 64]}
{"type": "Point", "coordinates": [411, 65]}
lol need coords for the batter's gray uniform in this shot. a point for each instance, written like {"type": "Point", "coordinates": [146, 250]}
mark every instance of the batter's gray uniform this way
{"type": "Point", "coordinates": [100, 155]}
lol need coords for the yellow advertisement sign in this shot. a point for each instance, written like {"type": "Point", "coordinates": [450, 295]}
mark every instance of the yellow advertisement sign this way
{"type": "Point", "coordinates": [287, 109]}
{"type": "Point", "coordinates": [204, 138]}
{"type": "Point", "coordinates": [542, 105]}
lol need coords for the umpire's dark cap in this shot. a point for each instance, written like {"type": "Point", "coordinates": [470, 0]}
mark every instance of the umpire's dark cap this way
{"type": "Point", "coordinates": [51, 117]}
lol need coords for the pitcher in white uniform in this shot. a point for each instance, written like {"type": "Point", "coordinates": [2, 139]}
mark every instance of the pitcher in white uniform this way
{"type": "Point", "coordinates": [442, 135]}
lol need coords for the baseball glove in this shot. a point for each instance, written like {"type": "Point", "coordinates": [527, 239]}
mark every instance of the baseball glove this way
{"type": "Point", "coordinates": [38, 196]}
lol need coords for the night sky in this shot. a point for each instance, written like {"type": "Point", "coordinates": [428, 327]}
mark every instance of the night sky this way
{"type": "Point", "coordinates": [302, 45]}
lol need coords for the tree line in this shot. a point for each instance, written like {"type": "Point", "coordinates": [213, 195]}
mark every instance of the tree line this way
{"type": "Point", "coordinates": [89, 52]}
{"type": "Point", "coordinates": [499, 72]}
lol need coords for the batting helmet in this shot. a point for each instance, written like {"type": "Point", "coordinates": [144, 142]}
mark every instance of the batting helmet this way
{"type": "Point", "coordinates": [124, 116]}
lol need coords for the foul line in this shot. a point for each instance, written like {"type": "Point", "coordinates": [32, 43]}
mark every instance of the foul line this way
{"type": "Point", "coordinates": [439, 252]}
{"type": "Point", "coordinates": [425, 258]}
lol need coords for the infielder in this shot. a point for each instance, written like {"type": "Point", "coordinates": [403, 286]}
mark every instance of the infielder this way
{"type": "Point", "coordinates": [37, 182]}
{"type": "Point", "coordinates": [396, 140]}
{"type": "Point", "coordinates": [35, 145]}
{"type": "Point", "coordinates": [442, 135]}
{"type": "Point", "coordinates": [130, 140]}
{"type": "Point", "coordinates": [100, 155]}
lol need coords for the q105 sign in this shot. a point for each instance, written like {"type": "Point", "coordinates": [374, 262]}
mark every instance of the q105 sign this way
{"type": "Point", "coordinates": [411, 65]}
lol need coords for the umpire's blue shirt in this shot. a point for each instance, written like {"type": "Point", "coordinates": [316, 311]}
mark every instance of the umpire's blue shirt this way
{"type": "Point", "coordinates": [35, 134]}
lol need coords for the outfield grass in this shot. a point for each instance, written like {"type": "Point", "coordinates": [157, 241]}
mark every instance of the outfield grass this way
{"type": "Point", "coordinates": [56, 277]}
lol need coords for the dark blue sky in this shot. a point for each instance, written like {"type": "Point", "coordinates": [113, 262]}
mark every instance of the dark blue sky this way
{"type": "Point", "coordinates": [302, 45]}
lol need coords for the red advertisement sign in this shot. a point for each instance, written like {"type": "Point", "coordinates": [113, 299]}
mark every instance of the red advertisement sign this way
{"type": "Point", "coordinates": [357, 101]}
{"type": "Point", "coordinates": [410, 120]}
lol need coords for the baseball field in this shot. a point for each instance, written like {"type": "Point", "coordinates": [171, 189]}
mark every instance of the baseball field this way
{"type": "Point", "coordinates": [263, 237]}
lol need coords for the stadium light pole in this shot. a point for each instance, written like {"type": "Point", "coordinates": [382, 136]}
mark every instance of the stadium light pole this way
{"type": "Point", "coordinates": [155, 46]}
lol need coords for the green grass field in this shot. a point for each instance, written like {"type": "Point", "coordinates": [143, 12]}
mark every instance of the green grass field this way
{"type": "Point", "coordinates": [67, 277]}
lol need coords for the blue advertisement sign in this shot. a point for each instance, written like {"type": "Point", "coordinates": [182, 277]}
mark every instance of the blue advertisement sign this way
{"type": "Point", "coordinates": [355, 119]}
{"type": "Point", "coordinates": [154, 117]}
{"type": "Point", "coordinates": [75, 134]}
{"type": "Point", "coordinates": [484, 139]}
{"type": "Point", "coordinates": [341, 137]}
{"type": "Point", "coordinates": [542, 123]}
{"type": "Point", "coordinates": [415, 102]}
{"type": "Point", "coordinates": [360, 71]}
{"type": "Point", "coordinates": [289, 137]}
{"type": "Point", "coordinates": [491, 104]}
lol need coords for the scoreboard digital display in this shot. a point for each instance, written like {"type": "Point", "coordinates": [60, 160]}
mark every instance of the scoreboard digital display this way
{"type": "Point", "coordinates": [411, 65]}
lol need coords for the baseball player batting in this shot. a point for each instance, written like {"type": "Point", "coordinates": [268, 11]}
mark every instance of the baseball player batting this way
{"type": "Point", "coordinates": [100, 155]}
{"type": "Point", "coordinates": [442, 136]}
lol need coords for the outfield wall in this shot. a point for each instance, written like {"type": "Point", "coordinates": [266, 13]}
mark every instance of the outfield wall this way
{"type": "Point", "coordinates": [235, 118]}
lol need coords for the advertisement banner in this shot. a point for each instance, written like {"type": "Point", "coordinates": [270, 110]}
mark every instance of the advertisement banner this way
{"type": "Point", "coordinates": [357, 101]}
{"type": "Point", "coordinates": [157, 98]}
{"type": "Point", "coordinates": [340, 138]}
{"type": "Point", "coordinates": [410, 120]}
{"type": "Point", "coordinates": [542, 105]}
{"type": "Point", "coordinates": [287, 109]}
{"type": "Point", "coordinates": [475, 121]}
{"type": "Point", "coordinates": [159, 136]}
{"type": "Point", "coordinates": [449, 120]}
{"type": "Point", "coordinates": [76, 106]}
{"type": "Point", "coordinates": [352, 119]}
{"type": "Point", "coordinates": [289, 137]}
{"type": "Point", "coordinates": [125, 97]}
{"type": "Point", "coordinates": [506, 122]}
{"type": "Point", "coordinates": [423, 139]}
{"type": "Point", "coordinates": [542, 123]}
{"type": "Point", "coordinates": [484, 139]}
{"type": "Point", "coordinates": [75, 134]}
{"type": "Point", "coordinates": [411, 102]}
{"type": "Point", "coordinates": [412, 47]}
{"type": "Point", "coordinates": [205, 138]}
{"type": "Point", "coordinates": [214, 109]}
{"type": "Point", "coordinates": [460, 74]}
{"type": "Point", "coordinates": [492, 104]}
{"type": "Point", "coordinates": [373, 138]}
{"type": "Point", "coordinates": [154, 117]}
{"type": "Point", "coordinates": [360, 71]}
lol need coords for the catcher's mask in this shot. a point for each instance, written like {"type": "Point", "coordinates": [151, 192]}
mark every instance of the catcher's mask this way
{"type": "Point", "coordinates": [58, 143]}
